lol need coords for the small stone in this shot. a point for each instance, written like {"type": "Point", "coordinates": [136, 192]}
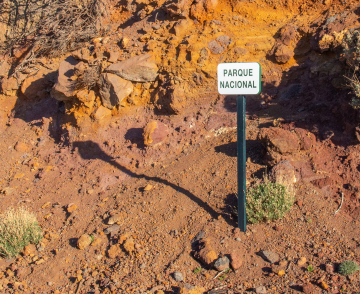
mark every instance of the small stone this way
{"type": "Point", "coordinates": [301, 261]}
{"type": "Point", "coordinates": [30, 249]}
{"type": "Point", "coordinates": [111, 229]}
{"type": "Point", "coordinates": [9, 86]}
{"type": "Point", "coordinates": [101, 113]}
{"type": "Point", "coordinates": [115, 219]}
{"type": "Point", "coordinates": [215, 47]}
{"type": "Point", "coordinates": [225, 40]}
{"type": "Point", "coordinates": [114, 251]}
{"type": "Point", "coordinates": [155, 132]}
{"type": "Point", "coordinates": [96, 242]}
{"type": "Point", "coordinates": [281, 273]}
{"type": "Point", "coordinates": [299, 203]}
{"type": "Point", "coordinates": [269, 256]}
{"type": "Point", "coordinates": [21, 147]}
{"type": "Point", "coordinates": [323, 285]}
{"type": "Point", "coordinates": [283, 53]}
{"type": "Point", "coordinates": [129, 245]}
{"type": "Point", "coordinates": [236, 260]}
{"type": "Point", "coordinates": [308, 288]}
{"type": "Point", "coordinates": [148, 187]}
{"type": "Point", "coordinates": [260, 290]}
{"type": "Point", "coordinates": [222, 263]}
{"type": "Point", "coordinates": [329, 268]}
{"type": "Point", "coordinates": [206, 254]}
{"type": "Point", "coordinates": [84, 241]}
{"type": "Point", "coordinates": [178, 277]}
{"type": "Point", "coordinates": [71, 207]}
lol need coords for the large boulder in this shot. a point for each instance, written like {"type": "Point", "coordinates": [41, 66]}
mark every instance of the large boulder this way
{"type": "Point", "coordinates": [113, 89]}
{"type": "Point", "coordinates": [65, 87]}
{"type": "Point", "coordinates": [140, 68]}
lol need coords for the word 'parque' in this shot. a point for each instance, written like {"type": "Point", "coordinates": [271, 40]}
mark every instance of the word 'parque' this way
{"type": "Point", "coordinates": [238, 72]}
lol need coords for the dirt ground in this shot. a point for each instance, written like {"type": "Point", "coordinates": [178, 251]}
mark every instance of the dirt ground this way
{"type": "Point", "coordinates": [169, 196]}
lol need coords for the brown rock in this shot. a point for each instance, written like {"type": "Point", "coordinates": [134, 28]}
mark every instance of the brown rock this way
{"type": "Point", "coordinates": [172, 99]}
{"type": "Point", "coordinates": [140, 68]}
{"type": "Point", "coordinates": [260, 290]}
{"type": "Point", "coordinates": [84, 241]}
{"type": "Point", "coordinates": [65, 88]}
{"type": "Point", "coordinates": [188, 289]}
{"type": "Point", "coordinates": [4, 69]}
{"type": "Point", "coordinates": [21, 147]}
{"type": "Point", "coordinates": [114, 251]}
{"type": "Point", "coordinates": [206, 254]}
{"type": "Point", "coordinates": [9, 86]}
{"type": "Point", "coordinates": [35, 85]}
{"type": "Point", "coordinates": [71, 207]}
{"type": "Point", "coordinates": [201, 9]}
{"type": "Point", "coordinates": [129, 245]}
{"type": "Point", "coordinates": [307, 139]}
{"type": "Point", "coordinates": [182, 26]}
{"type": "Point", "coordinates": [215, 47]}
{"type": "Point", "coordinates": [101, 113]}
{"type": "Point", "coordinates": [283, 173]}
{"type": "Point", "coordinates": [288, 35]}
{"type": "Point", "coordinates": [30, 249]}
{"type": "Point", "coordinates": [82, 54]}
{"type": "Point", "coordinates": [308, 288]}
{"type": "Point", "coordinates": [155, 133]}
{"type": "Point", "coordinates": [86, 97]}
{"type": "Point", "coordinates": [236, 260]}
{"type": "Point", "coordinates": [113, 89]}
{"type": "Point", "coordinates": [283, 53]}
{"type": "Point", "coordinates": [302, 261]}
{"type": "Point", "coordinates": [115, 219]}
{"type": "Point", "coordinates": [279, 140]}
{"type": "Point", "coordinates": [178, 8]}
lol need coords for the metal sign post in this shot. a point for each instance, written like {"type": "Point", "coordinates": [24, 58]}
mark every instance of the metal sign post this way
{"type": "Point", "coordinates": [240, 79]}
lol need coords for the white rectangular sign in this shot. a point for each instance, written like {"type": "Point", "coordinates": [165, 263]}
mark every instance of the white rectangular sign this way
{"type": "Point", "coordinates": [242, 78]}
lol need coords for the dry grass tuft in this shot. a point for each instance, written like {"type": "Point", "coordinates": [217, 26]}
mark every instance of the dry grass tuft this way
{"type": "Point", "coordinates": [18, 228]}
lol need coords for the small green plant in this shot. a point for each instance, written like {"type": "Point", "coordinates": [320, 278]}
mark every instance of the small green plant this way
{"type": "Point", "coordinates": [223, 277]}
{"type": "Point", "coordinates": [18, 228]}
{"type": "Point", "coordinates": [267, 201]}
{"type": "Point", "coordinates": [348, 267]}
{"type": "Point", "coordinates": [197, 270]}
{"type": "Point", "coordinates": [310, 268]}
{"type": "Point", "coordinates": [92, 238]}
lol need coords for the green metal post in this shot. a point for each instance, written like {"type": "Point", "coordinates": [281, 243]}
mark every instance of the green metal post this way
{"type": "Point", "coordinates": [241, 157]}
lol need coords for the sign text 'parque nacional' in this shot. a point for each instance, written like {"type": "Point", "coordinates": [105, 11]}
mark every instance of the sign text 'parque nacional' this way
{"type": "Point", "coordinates": [242, 78]}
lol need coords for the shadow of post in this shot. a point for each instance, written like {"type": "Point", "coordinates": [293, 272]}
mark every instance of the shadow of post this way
{"type": "Point", "coordinates": [91, 150]}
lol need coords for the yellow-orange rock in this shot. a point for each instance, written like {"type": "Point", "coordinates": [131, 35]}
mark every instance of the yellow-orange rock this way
{"type": "Point", "coordinates": [155, 133]}
{"type": "Point", "coordinates": [84, 241]}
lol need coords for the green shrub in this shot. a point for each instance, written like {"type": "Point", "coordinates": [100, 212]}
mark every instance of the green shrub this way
{"type": "Point", "coordinates": [267, 202]}
{"type": "Point", "coordinates": [18, 228]}
{"type": "Point", "coordinates": [348, 267]}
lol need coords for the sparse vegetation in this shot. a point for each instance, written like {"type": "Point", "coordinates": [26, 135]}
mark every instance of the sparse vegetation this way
{"type": "Point", "coordinates": [348, 267]}
{"type": "Point", "coordinates": [267, 201]}
{"type": "Point", "coordinates": [351, 55]}
{"type": "Point", "coordinates": [310, 268]}
{"type": "Point", "coordinates": [50, 28]}
{"type": "Point", "coordinates": [18, 228]}
{"type": "Point", "coordinates": [197, 270]}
